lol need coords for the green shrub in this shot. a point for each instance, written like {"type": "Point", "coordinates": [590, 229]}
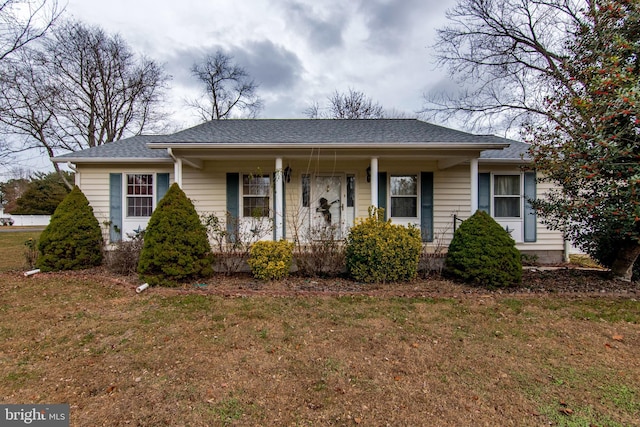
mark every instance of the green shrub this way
{"type": "Point", "coordinates": [271, 260]}
{"type": "Point", "coordinates": [378, 251]}
{"type": "Point", "coordinates": [483, 253]}
{"type": "Point", "coordinates": [603, 247]}
{"type": "Point", "coordinates": [176, 248]}
{"type": "Point", "coordinates": [73, 239]}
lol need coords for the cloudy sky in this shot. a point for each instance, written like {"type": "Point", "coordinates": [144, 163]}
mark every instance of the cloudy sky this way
{"type": "Point", "coordinates": [297, 50]}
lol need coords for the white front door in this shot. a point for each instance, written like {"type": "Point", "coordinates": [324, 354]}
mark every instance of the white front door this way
{"type": "Point", "coordinates": [327, 204]}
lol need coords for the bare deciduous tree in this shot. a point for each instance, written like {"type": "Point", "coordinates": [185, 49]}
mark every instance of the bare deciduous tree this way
{"type": "Point", "coordinates": [79, 88]}
{"type": "Point", "coordinates": [351, 105]}
{"type": "Point", "coordinates": [23, 21]}
{"type": "Point", "coordinates": [566, 73]}
{"type": "Point", "coordinates": [506, 57]}
{"type": "Point", "coordinates": [228, 90]}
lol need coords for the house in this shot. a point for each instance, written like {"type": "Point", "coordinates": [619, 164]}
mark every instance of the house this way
{"type": "Point", "coordinates": [301, 175]}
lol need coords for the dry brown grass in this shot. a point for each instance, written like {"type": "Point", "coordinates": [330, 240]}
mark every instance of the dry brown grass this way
{"type": "Point", "coordinates": [12, 247]}
{"type": "Point", "coordinates": [196, 358]}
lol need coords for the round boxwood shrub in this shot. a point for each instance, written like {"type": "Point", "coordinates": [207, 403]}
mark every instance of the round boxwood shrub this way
{"type": "Point", "coordinates": [378, 251]}
{"type": "Point", "coordinates": [176, 248]}
{"type": "Point", "coordinates": [483, 253]}
{"type": "Point", "coordinates": [73, 239]}
{"type": "Point", "coordinates": [271, 260]}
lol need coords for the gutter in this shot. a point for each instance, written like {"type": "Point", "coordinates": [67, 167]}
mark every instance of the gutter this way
{"type": "Point", "coordinates": [365, 145]}
{"type": "Point", "coordinates": [503, 160]}
{"type": "Point", "coordinates": [110, 160]}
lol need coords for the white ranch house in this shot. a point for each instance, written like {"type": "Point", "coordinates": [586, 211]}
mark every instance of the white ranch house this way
{"type": "Point", "coordinates": [300, 174]}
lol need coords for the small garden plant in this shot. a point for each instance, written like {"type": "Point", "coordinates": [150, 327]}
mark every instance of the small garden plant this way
{"type": "Point", "coordinates": [378, 251]}
{"type": "Point", "coordinates": [271, 260]}
{"type": "Point", "coordinates": [233, 248]}
{"type": "Point", "coordinates": [483, 253]}
{"type": "Point", "coordinates": [73, 239]}
{"type": "Point", "coordinates": [124, 255]}
{"type": "Point", "coordinates": [176, 248]}
{"type": "Point", "coordinates": [31, 252]}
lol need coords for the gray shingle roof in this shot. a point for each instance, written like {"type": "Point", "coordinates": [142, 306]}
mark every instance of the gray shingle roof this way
{"type": "Point", "coordinates": [368, 133]}
{"type": "Point", "coordinates": [301, 131]}
{"type": "Point", "coordinates": [128, 148]}
{"type": "Point", "coordinates": [515, 151]}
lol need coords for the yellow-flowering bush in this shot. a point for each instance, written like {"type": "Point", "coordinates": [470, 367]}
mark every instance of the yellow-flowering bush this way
{"type": "Point", "coordinates": [378, 251]}
{"type": "Point", "coordinates": [271, 260]}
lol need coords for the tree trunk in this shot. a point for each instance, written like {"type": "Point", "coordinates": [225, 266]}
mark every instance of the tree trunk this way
{"type": "Point", "coordinates": [622, 268]}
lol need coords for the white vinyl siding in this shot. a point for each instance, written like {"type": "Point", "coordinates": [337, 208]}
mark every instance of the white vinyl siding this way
{"type": "Point", "coordinates": [206, 187]}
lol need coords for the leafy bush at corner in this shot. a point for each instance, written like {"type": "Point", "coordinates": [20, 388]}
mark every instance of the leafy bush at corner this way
{"type": "Point", "coordinates": [271, 260]}
{"type": "Point", "coordinates": [378, 251]}
{"type": "Point", "coordinates": [483, 253]}
{"type": "Point", "coordinates": [176, 248]}
{"type": "Point", "coordinates": [604, 248]}
{"type": "Point", "coordinates": [73, 239]}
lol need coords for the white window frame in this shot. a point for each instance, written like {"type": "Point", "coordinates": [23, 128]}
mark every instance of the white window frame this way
{"type": "Point", "coordinates": [519, 196]}
{"type": "Point", "coordinates": [269, 195]}
{"type": "Point", "coordinates": [416, 196]}
{"type": "Point", "coordinates": [128, 196]}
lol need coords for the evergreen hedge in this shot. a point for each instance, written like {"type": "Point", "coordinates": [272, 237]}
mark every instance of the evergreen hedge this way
{"type": "Point", "coordinates": [176, 248]}
{"type": "Point", "coordinates": [73, 239]}
{"type": "Point", "coordinates": [483, 253]}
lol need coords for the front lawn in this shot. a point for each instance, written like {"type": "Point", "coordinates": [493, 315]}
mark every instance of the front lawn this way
{"type": "Point", "coordinates": [188, 357]}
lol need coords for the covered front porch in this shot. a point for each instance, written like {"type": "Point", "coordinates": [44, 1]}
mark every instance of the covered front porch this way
{"type": "Point", "coordinates": [306, 192]}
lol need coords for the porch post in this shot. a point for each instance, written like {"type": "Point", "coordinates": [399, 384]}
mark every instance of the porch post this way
{"type": "Point", "coordinates": [279, 208]}
{"type": "Point", "coordinates": [177, 172]}
{"type": "Point", "coordinates": [374, 181]}
{"type": "Point", "coordinates": [473, 169]}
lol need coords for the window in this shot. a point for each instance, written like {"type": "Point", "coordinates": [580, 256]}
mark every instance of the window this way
{"type": "Point", "coordinates": [306, 190]}
{"type": "Point", "coordinates": [139, 195]}
{"type": "Point", "coordinates": [351, 191]}
{"type": "Point", "coordinates": [404, 196]}
{"type": "Point", "coordinates": [506, 196]}
{"type": "Point", "coordinates": [255, 195]}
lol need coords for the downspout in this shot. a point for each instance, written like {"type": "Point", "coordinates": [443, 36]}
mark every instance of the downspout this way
{"type": "Point", "coordinates": [76, 174]}
{"type": "Point", "coordinates": [566, 256]}
{"type": "Point", "coordinates": [177, 167]}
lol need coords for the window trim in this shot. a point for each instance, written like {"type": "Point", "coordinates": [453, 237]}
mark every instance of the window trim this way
{"type": "Point", "coordinates": [128, 196]}
{"type": "Point", "coordinates": [269, 194]}
{"type": "Point", "coordinates": [519, 196]}
{"type": "Point", "coordinates": [415, 196]}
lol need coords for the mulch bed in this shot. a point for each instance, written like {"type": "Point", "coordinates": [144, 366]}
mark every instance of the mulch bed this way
{"type": "Point", "coordinates": [563, 280]}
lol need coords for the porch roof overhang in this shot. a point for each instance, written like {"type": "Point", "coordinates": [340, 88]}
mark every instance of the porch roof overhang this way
{"type": "Point", "coordinates": [447, 155]}
{"type": "Point", "coordinates": [280, 146]}
{"type": "Point", "coordinates": [137, 160]}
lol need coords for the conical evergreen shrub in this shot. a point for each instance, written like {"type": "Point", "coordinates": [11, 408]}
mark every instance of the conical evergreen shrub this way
{"type": "Point", "coordinates": [176, 248]}
{"type": "Point", "coordinates": [73, 239]}
{"type": "Point", "coordinates": [483, 253]}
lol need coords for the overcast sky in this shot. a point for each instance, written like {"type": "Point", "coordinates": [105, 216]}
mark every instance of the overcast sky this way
{"type": "Point", "coordinates": [299, 51]}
